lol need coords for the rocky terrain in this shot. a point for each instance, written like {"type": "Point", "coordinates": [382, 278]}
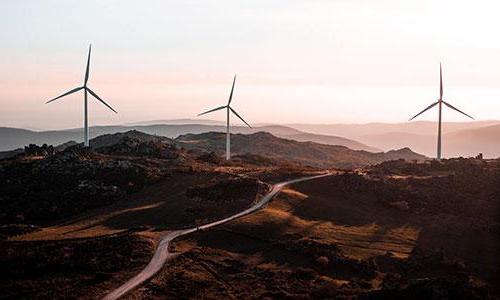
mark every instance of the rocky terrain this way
{"type": "Point", "coordinates": [70, 269]}
{"type": "Point", "coordinates": [77, 223]}
{"type": "Point", "coordinates": [397, 230]}
{"type": "Point", "coordinates": [466, 139]}
{"type": "Point", "coordinates": [43, 184]}
{"type": "Point", "coordinates": [41, 187]}
{"type": "Point", "coordinates": [304, 153]}
{"type": "Point", "coordinates": [13, 138]}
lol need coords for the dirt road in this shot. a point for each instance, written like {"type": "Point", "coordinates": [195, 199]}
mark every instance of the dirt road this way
{"type": "Point", "coordinates": [163, 254]}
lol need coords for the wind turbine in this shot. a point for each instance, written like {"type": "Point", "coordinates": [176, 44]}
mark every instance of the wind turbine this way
{"type": "Point", "coordinates": [228, 110]}
{"type": "Point", "coordinates": [440, 103]}
{"type": "Point", "coordinates": [85, 89]}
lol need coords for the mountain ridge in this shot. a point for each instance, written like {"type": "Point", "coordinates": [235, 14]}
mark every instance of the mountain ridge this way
{"type": "Point", "coordinates": [305, 153]}
{"type": "Point", "coordinates": [13, 138]}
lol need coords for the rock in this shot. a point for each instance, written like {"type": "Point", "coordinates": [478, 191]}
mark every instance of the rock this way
{"type": "Point", "coordinates": [135, 143]}
{"type": "Point", "coordinates": [401, 205]}
{"type": "Point", "coordinates": [391, 282]}
{"type": "Point", "coordinates": [323, 261]}
{"type": "Point", "coordinates": [34, 150]}
{"type": "Point", "coordinates": [211, 158]}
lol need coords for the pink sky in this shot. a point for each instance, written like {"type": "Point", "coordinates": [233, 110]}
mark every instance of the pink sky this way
{"type": "Point", "coordinates": [297, 61]}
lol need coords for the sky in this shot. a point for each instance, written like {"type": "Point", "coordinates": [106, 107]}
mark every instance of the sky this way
{"type": "Point", "coordinates": [311, 61]}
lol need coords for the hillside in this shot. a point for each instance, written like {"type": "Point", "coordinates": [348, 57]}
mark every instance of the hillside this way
{"type": "Point", "coordinates": [76, 223]}
{"type": "Point", "coordinates": [108, 140]}
{"type": "Point", "coordinates": [460, 138]}
{"type": "Point", "coordinates": [81, 222]}
{"type": "Point", "coordinates": [352, 236]}
{"type": "Point", "coordinates": [13, 138]}
{"type": "Point", "coordinates": [265, 145]}
{"type": "Point", "coordinates": [42, 184]}
{"type": "Point", "coordinates": [306, 153]}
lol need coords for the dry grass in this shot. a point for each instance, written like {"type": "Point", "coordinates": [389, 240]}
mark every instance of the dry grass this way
{"type": "Point", "coordinates": [314, 241]}
{"type": "Point", "coordinates": [160, 206]}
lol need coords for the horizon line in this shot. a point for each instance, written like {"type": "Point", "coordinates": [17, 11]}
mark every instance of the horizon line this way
{"type": "Point", "coordinates": [259, 124]}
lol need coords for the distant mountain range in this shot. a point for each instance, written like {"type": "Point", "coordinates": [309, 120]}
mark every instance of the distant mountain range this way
{"type": "Point", "coordinates": [459, 139]}
{"type": "Point", "coordinates": [12, 138]}
{"type": "Point", "coordinates": [262, 144]}
{"type": "Point", "coordinates": [417, 127]}
{"type": "Point", "coordinates": [177, 122]}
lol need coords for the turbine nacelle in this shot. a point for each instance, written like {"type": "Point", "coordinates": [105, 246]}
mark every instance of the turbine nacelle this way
{"type": "Point", "coordinates": [228, 107]}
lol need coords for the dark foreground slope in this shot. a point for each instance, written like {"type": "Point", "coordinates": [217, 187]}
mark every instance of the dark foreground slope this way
{"type": "Point", "coordinates": [98, 214]}
{"type": "Point", "coordinates": [70, 269]}
{"type": "Point", "coordinates": [76, 223]}
{"type": "Point", "coordinates": [401, 231]}
{"type": "Point", "coordinates": [41, 184]}
{"type": "Point", "coordinates": [305, 153]}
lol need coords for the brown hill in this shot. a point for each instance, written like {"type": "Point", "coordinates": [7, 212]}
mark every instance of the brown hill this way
{"type": "Point", "coordinates": [13, 138]}
{"type": "Point", "coordinates": [107, 140]}
{"type": "Point", "coordinates": [305, 153]}
{"type": "Point", "coordinates": [351, 236]}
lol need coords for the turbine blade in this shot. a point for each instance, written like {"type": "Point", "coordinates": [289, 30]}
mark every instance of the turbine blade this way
{"type": "Point", "coordinates": [98, 98]}
{"type": "Point", "coordinates": [218, 108]}
{"type": "Point", "coordinates": [65, 94]}
{"type": "Point", "coordinates": [426, 109]}
{"type": "Point", "coordinates": [440, 81]}
{"type": "Point", "coordinates": [234, 112]}
{"type": "Point", "coordinates": [232, 89]}
{"type": "Point", "coordinates": [454, 108]}
{"type": "Point", "coordinates": [88, 66]}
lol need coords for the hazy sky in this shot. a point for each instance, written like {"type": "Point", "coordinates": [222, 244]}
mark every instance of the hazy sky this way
{"type": "Point", "coordinates": [311, 61]}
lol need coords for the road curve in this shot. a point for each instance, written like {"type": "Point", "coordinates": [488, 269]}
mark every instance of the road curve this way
{"type": "Point", "coordinates": [162, 254]}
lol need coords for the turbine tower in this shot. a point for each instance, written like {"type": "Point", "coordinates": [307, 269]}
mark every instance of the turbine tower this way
{"type": "Point", "coordinates": [228, 110]}
{"type": "Point", "coordinates": [440, 103]}
{"type": "Point", "coordinates": [85, 89]}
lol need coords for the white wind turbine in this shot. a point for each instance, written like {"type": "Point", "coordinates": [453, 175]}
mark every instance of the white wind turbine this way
{"type": "Point", "coordinates": [440, 102]}
{"type": "Point", "coordinates": [228, 110]}
{"type": "Point", "coordinates": [85, 90]}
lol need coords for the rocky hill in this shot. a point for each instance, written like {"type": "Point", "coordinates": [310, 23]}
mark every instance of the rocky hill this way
{"type": "Point", "coordinates": [13, 138]}
{"type": "Point", "coordinates": [135, 143]}
{"type": "Point", "coordinates": [305, 153]}
{"type": "Point", "coordinates": [398, 230]}
{"type": "Point", "coordinates": [43, 183]}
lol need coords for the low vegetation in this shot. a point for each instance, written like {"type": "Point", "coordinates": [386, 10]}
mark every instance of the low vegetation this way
{"type": "Point", "coordinates": [78, 222]}
{"type": "Point", "coordinates": [70, 269]}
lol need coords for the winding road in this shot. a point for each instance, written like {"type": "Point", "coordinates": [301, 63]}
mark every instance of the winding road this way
{"type": "Point", "coordinates": [162, 253]}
